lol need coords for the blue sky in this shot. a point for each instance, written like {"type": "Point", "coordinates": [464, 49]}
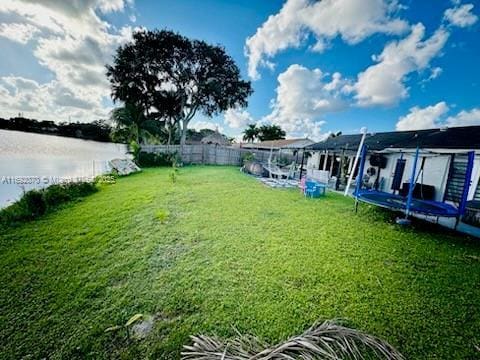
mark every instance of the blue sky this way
{"type": "Point", "coordinates": [316, 67]}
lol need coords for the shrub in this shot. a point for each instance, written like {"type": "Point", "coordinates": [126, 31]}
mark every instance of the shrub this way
{"type": "Point", "coordinates": [173, 174]}
{"type": "Point", "coordinates": [56, 194]}
{"type": "Point", "coordinates": [35, 203]}
{"type": "Point", "coordinates": [163, 159]}
{"type": "Point", "coordinates": [247, 156]}
{"type": "Point", "coordinates": [134, 149]}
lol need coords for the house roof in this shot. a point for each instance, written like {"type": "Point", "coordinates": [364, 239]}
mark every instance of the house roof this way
{"type": "Point", "coordinates": [467, 137]}
{"type": "Point", "coordinates": [216, 138]}
{"type": "Point", "coordinates": [279, 144]}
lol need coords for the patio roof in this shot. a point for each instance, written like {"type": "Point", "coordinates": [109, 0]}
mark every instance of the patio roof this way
{"type": "Point", "coordinates": [467, 137]}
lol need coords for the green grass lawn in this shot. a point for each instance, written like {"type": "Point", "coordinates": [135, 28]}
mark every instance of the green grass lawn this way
{"type": "Point", "coordinates": [217, 250]}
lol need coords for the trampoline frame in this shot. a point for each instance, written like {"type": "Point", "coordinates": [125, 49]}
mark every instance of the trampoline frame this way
{"type": "Point", "coordinates": [408, 205]}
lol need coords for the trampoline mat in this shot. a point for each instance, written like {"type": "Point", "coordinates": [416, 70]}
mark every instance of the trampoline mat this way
{"type": "Point", "coordinates": [397, 202]}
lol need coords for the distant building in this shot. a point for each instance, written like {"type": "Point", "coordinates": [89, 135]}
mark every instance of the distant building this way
{"type": "Point", "coordinates": [278, 144]}
{"type": "Point", "coordinates": [216, 139]}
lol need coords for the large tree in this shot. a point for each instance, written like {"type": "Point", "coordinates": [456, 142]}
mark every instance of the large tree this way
{"type": "Point", "coordinates": [159, 65]}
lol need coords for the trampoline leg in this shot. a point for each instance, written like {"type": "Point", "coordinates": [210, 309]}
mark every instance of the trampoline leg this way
{"type": "Point", "coordinates": [356, 207]}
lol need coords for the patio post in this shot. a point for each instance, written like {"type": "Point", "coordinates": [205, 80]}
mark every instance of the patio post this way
{"type": "Point", "coordinates": [331, 165]}
{"type": "Point", "coordinates": [301, 165]}
{"type": "Point", "coordinates": [359, 150]}
{"type": "Point", "coordinates": [412, 183]}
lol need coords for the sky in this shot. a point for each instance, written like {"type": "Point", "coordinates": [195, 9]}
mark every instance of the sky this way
{"type": "Point", "coordinates": [316, 67]}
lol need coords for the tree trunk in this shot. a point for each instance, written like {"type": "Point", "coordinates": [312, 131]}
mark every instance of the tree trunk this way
{"type": "Point", "coordinates": [169, 135]}
{"type": "Point", "coordinates": [184, 132]}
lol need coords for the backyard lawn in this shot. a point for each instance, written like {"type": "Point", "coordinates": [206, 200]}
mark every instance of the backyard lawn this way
{"type": "Point", "coordinates": [218, 251]}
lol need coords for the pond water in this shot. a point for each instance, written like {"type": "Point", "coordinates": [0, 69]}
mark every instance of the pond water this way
{"type": "Point", "coordinates": [29, 160]}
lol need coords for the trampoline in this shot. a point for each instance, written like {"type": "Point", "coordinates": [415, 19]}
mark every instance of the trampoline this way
{"type": "Point", "coordinates": [409, 204]}
{"type": "Point", "coordinates": [397, 202]}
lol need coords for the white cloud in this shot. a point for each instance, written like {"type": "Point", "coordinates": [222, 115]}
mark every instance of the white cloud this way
{"type": "Point", "coordinates": [383, 83]}
{"type": "Point", "coordinates": [237, 119]}
{"type": "Point", "coordinates": [465, 118]}
{"type": "Point", "coordinates": [434, 116]}
{"type": "Point", "coordinates": [303, 96]}
{"type": "Point", "coordinates": [435, 72]}
{"type": "Point", "coordinates": [203, 124]}
{"type": "Point", "coordinates": [352, 20]}
{"type": "Point", "coordinates": [72, 42]}
{"type": "Point", "coordinates": [461, 16]}
{"type": "Point", "coordinates": [50, 101]}
{"type": "Point", "coordinates": [422, 118]}
{"type": "Point", "coordinates": [21, 33]}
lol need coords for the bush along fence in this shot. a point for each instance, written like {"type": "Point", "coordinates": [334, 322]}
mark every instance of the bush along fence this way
{"type": "Point", "coordinates": [35, 203]}
{"type": "Point", "coordinates": [207, 154]}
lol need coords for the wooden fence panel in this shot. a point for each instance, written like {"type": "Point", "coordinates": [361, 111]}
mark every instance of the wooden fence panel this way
{"type": "Point", "coordinates": [212, 154]}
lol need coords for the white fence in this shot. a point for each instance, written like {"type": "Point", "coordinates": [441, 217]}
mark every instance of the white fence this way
{"type": "Point", "coordinates": [208, 154]}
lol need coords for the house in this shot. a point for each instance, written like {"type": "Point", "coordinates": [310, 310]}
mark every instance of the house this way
{"type": "Point", "coordinates": [216, 139]}
{"type": "Point", "coordinates": [443, 159]}
{"type": "Point", "coordinates": [289, 144]}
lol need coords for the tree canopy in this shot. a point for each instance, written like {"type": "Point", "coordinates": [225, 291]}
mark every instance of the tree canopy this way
{"type": "Point", "coordinates": [172, 78]}
{"type": "Point", "coordinates": [250, 133]}
{"type": "Point", "coordinates": [271, 132]}
{"type": "Point", "coordinates": [263, 133]}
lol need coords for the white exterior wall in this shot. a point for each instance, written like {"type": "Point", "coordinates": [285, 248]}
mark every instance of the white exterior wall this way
{"type": "Point", "coordinates": [313, 161]}
{"type": "Point", "coordinates": [435, 172]}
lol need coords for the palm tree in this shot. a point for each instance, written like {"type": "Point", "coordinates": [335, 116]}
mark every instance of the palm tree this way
{"type": "Point", "coordinates": [129, 121]}
{"type": "Point", "coordinates": [250, 133]}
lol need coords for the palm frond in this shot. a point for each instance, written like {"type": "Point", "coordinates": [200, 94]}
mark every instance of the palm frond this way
{"type": "Point", "coordinates": [327, 340]}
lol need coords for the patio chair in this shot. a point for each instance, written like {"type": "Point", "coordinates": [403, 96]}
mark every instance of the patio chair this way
{"type": "Point", "coordinates": [314, 189]}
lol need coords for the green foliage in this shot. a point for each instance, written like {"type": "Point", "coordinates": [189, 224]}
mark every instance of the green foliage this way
{"type": "Point", "coordinates": [162, 215]}
{"type": "Point", "coordinates": [247, 156]}
{"type": "Point", "coordinates": [134, 148]}
{"type": "Point", "coordinates": [263, 133]}
{"type": "Point", "coordinates": [232, 253]}
{"type": "Point", "coordinates": [98, 130]}
{"type": "Point", "coordinates": [250, 133]}
{"type": "Point", "coordinates": [270, 132]}
{"type": "Point", "coordinates": [174, 172]}
{"type": "Point", "coordinates": [132, 125]}
{"type": "Point", "coordinates": [35, 203]}
{"type": "Point", "coordinates": [173, 175]}
{"type": "Point", "coordinates": [146, 159]}
{"type": "Point", "coordinates": [156, 58]}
